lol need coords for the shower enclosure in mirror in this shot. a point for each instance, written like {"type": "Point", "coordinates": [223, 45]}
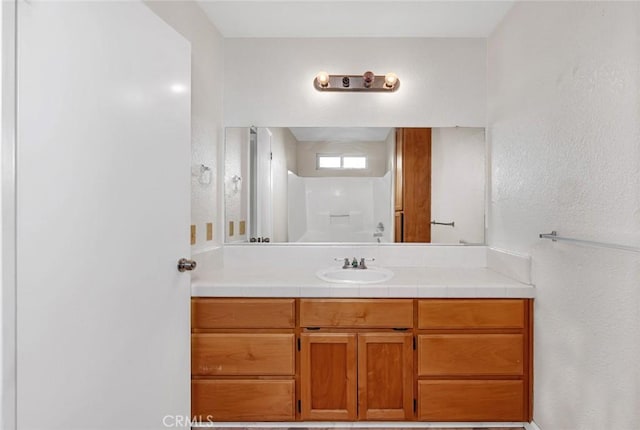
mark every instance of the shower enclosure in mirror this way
{"type": "Point", "coordinates": [354, 185]}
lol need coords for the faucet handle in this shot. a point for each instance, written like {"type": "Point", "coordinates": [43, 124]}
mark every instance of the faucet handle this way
{"type": "Point", "coordinates": [346, 264]}
{"type": "Point", "coordinates": [362, 264]}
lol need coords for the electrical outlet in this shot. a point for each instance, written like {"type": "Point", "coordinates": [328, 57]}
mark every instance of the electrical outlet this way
{"type": "Point", "coordinates": [193, 234]}
{"type": "Point", "coordinates": [209, 231]}
{"type": "Point", "coordinates": [243, 228]}
{"type": "Point", "coordinates": [230, 228]}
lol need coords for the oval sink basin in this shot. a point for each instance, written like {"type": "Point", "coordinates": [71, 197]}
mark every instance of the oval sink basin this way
{"type": "Point", "coordinates": [370, 275]}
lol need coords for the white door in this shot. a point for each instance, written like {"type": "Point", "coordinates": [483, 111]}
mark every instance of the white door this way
{"type": "Point", "coordinates": [265, 187]}
{"type": "Point", "coordinates": [103, 158]}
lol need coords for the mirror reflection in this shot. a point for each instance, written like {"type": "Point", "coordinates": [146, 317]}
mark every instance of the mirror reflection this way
{"type": "Point", "coordinates": [354, 185]}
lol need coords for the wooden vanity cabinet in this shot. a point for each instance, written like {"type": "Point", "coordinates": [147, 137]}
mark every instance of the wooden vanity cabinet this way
{"type": "Point", "coordinates": [474, 360]}
{"type": "Point", "coordinates": [243, 359]}
{"type": "Point", "coordinates": [362, 359]}
{"type": "Point", "coordinates": [353, 365]}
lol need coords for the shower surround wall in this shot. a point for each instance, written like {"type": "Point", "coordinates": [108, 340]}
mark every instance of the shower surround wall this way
{"type": "Point", "coordinates": [338, 209]}
{"type": "Point", "coordinates": [564, 133]}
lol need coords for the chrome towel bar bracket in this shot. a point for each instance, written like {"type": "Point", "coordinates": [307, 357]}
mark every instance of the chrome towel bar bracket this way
{"type": "Point", "coordinates": [554, 237]}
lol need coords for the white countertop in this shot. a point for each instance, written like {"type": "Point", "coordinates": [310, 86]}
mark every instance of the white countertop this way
{"type": "Point", "coordinates": [406, 282]}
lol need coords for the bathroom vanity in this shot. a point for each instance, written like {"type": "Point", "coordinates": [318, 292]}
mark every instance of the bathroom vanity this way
{"type": "Point", "coordinates": [273, 341]}
{"type": "Point", "coordinates": [363, 359]}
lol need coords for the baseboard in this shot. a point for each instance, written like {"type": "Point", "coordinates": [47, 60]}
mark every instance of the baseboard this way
{"type": "Point", "coordinates": [531, 426]}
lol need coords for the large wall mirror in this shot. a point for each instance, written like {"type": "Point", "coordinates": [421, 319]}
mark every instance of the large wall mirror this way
{"type": "Point", "coordinates": [355, 185]}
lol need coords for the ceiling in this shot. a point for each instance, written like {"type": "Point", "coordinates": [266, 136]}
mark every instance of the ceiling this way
{"type": "Point", "coordinates": [355, 18]}
{"type": "Point", "coordinates": [340, 134]}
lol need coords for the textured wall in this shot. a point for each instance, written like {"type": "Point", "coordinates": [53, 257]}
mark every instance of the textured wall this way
{"type": "Point", "coordinates": [269, 82]}
{"type": "Point", "coordinates": [236, 192]}
{"type": "Point", "coordinates": [564, 132]}
{"type": "Point", "coordinates": [207, 137]}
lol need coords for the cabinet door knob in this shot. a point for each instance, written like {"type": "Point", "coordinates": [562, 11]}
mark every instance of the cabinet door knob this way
{"type": "Point", "coordinates": [186, 265]}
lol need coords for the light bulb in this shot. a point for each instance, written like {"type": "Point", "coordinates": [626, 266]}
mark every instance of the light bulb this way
{"type": "Point", "coordinates": [390, 80]}
{"type": "Point", "coordinates": [323, 79]}
{"type": "Point", "coordinates": [368, 78]}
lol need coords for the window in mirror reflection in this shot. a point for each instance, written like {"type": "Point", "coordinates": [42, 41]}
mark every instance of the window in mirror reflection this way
{"type": "Point", "coordinates": [354, 162]}
{"type": "Point", "coordinates": [329, 162]}
{"type": "Point", "coordinates": [341, 161]}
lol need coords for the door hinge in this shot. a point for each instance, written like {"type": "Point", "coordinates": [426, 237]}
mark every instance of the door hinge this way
{"type": "Point", "coordinates": [414, 343]}
{"type": "Point", "coordinates": [299, 345]}
{"type": "Point", "coordinates": [271, 156]}
{"type": "Point", "coordinates": [300, 406]}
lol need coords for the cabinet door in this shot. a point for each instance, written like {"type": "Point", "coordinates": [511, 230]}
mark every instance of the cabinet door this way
{"type": "Point", "coordinates": [385, 376]}
{"type": "Point", "coordinates": [416, 186]}
{"type": "Point", "coordinates": [328, 376]}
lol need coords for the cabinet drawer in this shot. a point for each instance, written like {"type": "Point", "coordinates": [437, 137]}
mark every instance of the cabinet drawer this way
{"type": "Point", "coordinates": [473, 313]}
{"type": "Point", "coordinates": [243, 400]}
{"type": "Point", "coordinates": [470, 354]}
{"type": "Point", "coordinates": [242, 313]}
{"type": "Point", "coordinates": [242, 354]}
{"type": "Point", "coordinates": [379, 313]}
{"type": "Point", "coordinates": [478, 400]}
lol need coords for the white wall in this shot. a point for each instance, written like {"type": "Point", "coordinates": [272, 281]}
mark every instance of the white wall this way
{"type": "Point", "coordinates": [564, 131]}
{"type": "Point", "coordinates": [207, 133]}
{"type": "Point", "coordinates": [296, 213]}
{"type": "Point", "coordinates": [236, 192]}
{"type": "Point", "coordinates": [458, 172]}
{"type": "Point", "coordinates": [283, 150]}
{"type": "Point", "coordinates": [382, 211]}
{"type": "Point", "coordinates": [268, 82]}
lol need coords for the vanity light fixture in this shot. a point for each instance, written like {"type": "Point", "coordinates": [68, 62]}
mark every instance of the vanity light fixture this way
{"type": "Point", "coordinates": [368, 81]}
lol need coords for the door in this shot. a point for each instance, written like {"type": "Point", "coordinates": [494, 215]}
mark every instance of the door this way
{"type": "Point", "coordinates": [260, 194]}
{"type": "Point", "coordinates": [328, 376]}
{"type": "Point", "coordinates": [416, 184]}
{"type": "Point", "coordinates": [265, 184]}
{"type": "Point", "coordinates": [103, 198]}
{"type": "Point", "coordinates": [385, 376]}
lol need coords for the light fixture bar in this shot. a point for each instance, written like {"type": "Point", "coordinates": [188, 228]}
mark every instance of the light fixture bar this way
{"type": "Point", "coordinates": [355, 83]}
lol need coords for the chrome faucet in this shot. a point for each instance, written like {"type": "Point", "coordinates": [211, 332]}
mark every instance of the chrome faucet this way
{"type": "Point", "coordinates": [354, 264]}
